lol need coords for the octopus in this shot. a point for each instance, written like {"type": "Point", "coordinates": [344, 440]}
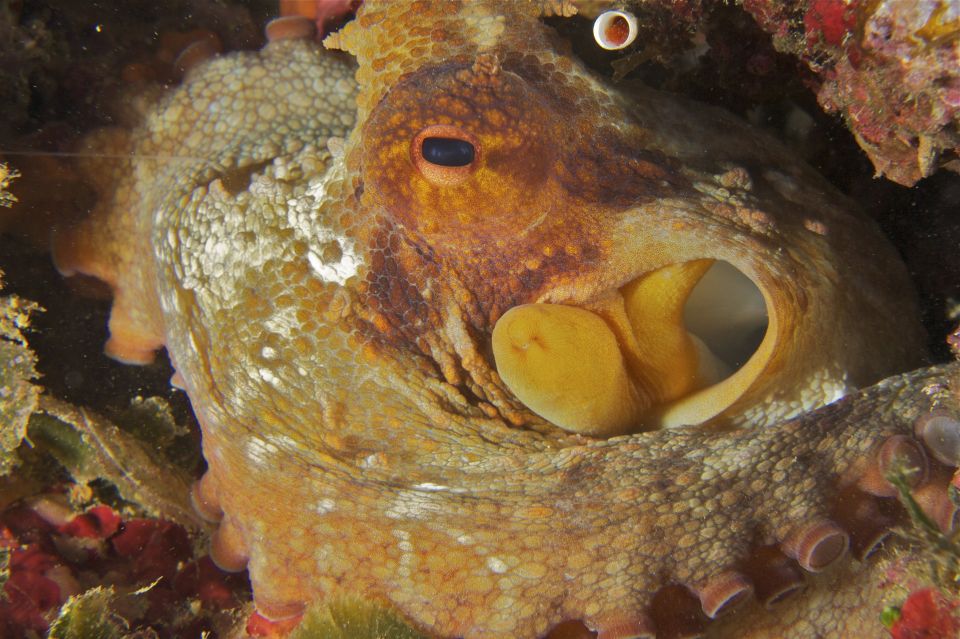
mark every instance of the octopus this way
{"type": "Point", "coordinates": [474, 334]}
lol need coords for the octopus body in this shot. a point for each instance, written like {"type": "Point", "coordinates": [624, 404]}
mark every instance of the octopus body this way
{"type": "Point", "coordinates": [432, 308]}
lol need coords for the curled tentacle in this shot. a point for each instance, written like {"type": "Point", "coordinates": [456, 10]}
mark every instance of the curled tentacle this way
{"type": "Point", "coordinates": [333, 317]}
{"type": "Point", "coordinates": [205, 47]}
{"type": "Point", "coordinates": [291, 28]}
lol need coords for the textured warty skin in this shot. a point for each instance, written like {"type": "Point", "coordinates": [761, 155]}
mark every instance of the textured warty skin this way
{"type": "Point", "coordinates": [329, 293]}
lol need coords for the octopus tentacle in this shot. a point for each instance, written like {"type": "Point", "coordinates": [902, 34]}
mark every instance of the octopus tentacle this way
{"type": "Point", "coordinates": [775, 570]}
{"type": "Point", "coordinates": [227, 547]}
{"type": "Point", "coordinates": [203, 495]}
{"type": "Point", "coordinates": [291, 27]}
{"type": "Point", "coordinates": [203, 48]}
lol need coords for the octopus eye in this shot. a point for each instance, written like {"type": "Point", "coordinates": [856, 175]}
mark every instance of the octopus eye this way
{"type": "Point", "coordinates": [444, 154]}
{"type": "Point", "coordinates": [615, 29]}
{"type": "Point", "coordinates": [447, 151]}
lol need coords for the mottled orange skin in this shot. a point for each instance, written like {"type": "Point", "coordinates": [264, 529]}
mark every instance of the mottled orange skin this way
{"type": "Point", "coordinates": [329, 311]}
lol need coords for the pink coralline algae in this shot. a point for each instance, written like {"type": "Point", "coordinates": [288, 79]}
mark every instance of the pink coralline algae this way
{"type": "Point", "coordinates": [890, 68]}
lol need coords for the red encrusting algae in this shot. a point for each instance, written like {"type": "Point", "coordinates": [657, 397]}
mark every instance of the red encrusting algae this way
{"type": "Point", "coordinates": [47, 562]}
{"type": "Point", "coordinates": [927, 614]}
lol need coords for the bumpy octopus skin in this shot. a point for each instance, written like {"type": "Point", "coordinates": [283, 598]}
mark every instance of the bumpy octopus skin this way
{"type": "Point", "coordinates": [328, 298]}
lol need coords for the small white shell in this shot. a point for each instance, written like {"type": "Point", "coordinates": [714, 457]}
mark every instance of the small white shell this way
{"type": "Point", "coordinates": [608, 29]}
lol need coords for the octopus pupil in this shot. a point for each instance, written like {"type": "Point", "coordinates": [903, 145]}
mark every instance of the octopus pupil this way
{"type": "Point", "coordinates": [447, 151]}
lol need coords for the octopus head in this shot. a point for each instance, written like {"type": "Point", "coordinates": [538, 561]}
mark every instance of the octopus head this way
{"type": "Point", "coordinates": [616, 286]}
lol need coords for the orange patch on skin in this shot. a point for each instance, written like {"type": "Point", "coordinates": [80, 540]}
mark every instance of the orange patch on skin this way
{"type": "Point", "coordinates": [499, 220]}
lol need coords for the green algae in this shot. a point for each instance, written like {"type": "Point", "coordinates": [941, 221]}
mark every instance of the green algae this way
{"type": "Point", "coordinates": [18, 393]}
{"type": "Point", "coordinates": [89, 616]}
{"type": "Point", "coordinates": [353, 619]}
{"type": "Point", "coordinates": [7, 175]}
{"type": "Point", "coordinates": [91, 448]}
